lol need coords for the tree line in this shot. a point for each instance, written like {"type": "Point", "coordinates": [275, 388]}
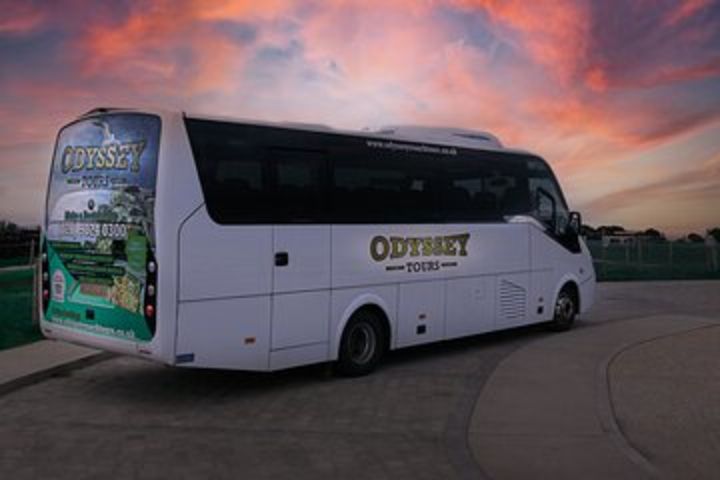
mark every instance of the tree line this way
{"type": "Point", "coordinates": [650, 234]}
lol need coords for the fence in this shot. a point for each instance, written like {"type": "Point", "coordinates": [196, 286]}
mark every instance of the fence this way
{"type": "Point", "coordinates": [646, 260]}
{"type": "Point", "coordinates": [17, 254]}
{"type": "Point", "coordinates": [20, 260]}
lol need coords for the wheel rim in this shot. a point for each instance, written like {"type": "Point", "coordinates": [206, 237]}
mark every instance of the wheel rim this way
{"type": "Point", "coordinates": [564, 309]}
{"type": "Point", "coordinates": [362, 342]}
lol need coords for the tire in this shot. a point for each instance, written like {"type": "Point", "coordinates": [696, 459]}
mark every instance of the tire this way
{"type": "Point", "coordinates": [564, 311]}
{"type": "Point", "coordinates": [362, 345]}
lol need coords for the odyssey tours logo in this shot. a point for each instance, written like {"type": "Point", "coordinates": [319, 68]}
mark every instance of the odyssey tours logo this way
{"type": "Point", "coordinates": [111, 155]}
{"type": "Point", "coordinates": [397, 248]}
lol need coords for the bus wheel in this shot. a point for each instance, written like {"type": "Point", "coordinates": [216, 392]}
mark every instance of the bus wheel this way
{"type": "Point", "coordinates": [362, 345]}
{"type": "Point", "coordinates": [564, 312]}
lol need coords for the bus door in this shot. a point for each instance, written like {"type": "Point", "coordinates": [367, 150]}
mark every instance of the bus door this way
{"type": "Point", "coordinates": [301, 259]}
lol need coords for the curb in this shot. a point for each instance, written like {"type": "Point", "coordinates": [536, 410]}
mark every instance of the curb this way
{"type": "Point", "coordinates": [36, 377]}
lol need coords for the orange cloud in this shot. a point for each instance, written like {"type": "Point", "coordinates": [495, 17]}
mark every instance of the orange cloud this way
{"type": "Point", "coordinates": [554, 32]}
{"type": "Point", "coordinates": [178, 49]}
{"type": "Point", "coordinates": [598, 80]}
{"type": "Point", "coordinates": [238, 10]}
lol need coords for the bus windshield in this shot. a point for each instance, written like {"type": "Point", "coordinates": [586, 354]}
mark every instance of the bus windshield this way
{"type": "Point", "coordinates": [99, 224]}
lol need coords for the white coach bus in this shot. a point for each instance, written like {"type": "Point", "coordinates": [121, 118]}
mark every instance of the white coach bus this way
{"type": "Point", "coordinates": [245, 245]}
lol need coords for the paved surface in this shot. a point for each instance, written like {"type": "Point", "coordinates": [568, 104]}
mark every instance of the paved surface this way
{"type": "Point", "coordinates": [666, 395]}
{"type": "Point", "coordinates": [546, 412]}
{"type": "Point", "coordinates": [417, 417]}
{"type": "Point", "coordinates": [141, 420]}
{"type": "Point", "coordinates": [23, 365]}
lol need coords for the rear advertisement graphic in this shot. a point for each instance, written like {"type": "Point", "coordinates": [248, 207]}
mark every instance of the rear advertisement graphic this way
{"type": "Point", "coordinates": [100, 222]}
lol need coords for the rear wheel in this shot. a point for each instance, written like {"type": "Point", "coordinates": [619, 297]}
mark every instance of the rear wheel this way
{"type": "Point", "coordinates": [564, 311]}
{"type": "Point", "coordinates": [362, 345]}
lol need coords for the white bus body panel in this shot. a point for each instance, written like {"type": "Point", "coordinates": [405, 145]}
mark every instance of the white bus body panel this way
{"type": "Point", "coordinates": [469, 306]}
{"type": "Point", "coordinates": [301, 295]}
{"type": "Point", "coordinates": [421, 306]}
{"type": "Point", "coordinates": [225, 286]}
{"type": "Point", "coordinates": [588, 280]}
{"type": "Point", "coordinates": [308, 249]}
{"type": "Point", "coordinates": [219, 261]}
{"type": "Point", "coordinates": [552, 267]}
{"type": "Point", "coordinates": [450, 302]}
{"type": "Point", "coordinates": [229, 333]}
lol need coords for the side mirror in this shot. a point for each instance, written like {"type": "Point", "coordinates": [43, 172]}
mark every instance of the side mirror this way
{"type": "Point", "coordinates": [575, 223]}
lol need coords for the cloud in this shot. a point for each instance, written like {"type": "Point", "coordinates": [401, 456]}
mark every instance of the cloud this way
{"type": "Point", "coordinates": [585, 84]}
{"type": "Point", "coordinates": [183, 47]}
{"type": "Point", "coordinates": [684, 10]}
{"type": "Point", "coordinates": [634, 46]}
{"type": "Point", "coordinates": [553, 33]}
{"type": "Point", "coordinates": [20, 18]}
{"type": "Point", "coordinates": [695, 183]}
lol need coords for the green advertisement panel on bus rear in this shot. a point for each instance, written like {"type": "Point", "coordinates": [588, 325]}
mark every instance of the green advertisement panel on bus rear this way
{"type": "Point", "coordinates": [99, 230]}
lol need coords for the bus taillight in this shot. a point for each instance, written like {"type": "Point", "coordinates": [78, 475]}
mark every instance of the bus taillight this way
{"type": "Point", "coordinates": [150, 291]}
{"type": "Point", "coordinates": [45, 276]}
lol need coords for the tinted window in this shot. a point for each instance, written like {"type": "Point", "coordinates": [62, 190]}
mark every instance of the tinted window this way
{"type": "Point", "coordinates": [385, 189]}
{"type": "Point", "coordinates": [507, 181]}
{"type": "Point", "coordinates": [467, 196]}
{"type": "Point", "coordinates": [484, 186]}
{"type": "Point", "coordinates": [299, 195]}
{"type": "Point", "coordinates": [255, 174]}
{"type": "Point", "coordinates": [545, 194]}
{"type": "Point", "coordinates": [233, 173]}
{"type": "Point", "coordinates": [249, 174]}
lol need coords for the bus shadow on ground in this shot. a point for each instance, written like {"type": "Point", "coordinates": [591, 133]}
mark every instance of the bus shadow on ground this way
{"type": "Point", "coordinates": [135, 381]}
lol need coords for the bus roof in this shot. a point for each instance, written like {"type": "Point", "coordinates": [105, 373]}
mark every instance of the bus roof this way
{"type": "Point", "coordinates": [445, 136]}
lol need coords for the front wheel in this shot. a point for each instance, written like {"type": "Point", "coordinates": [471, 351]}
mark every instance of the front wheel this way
{"type": "Point", "coordinates": [564, 312]}
{"type": "Point", "coordinates": [362, 345]}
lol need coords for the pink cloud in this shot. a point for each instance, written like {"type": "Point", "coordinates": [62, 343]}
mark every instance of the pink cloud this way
{"type": "Point", "coordinates": [553, 32]}
{"type": "Point", "coordinates": [177, 53]}
{"type": "Point", "coordinates": [20, 18]}
{"type": "Point", "coordinates": [552, 77]}
{"type": "Point", "coordinates": [684, 10]}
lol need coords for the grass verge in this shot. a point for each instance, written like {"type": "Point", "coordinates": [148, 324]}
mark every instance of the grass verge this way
{"type": "Point", "coordinates": [16, 299]}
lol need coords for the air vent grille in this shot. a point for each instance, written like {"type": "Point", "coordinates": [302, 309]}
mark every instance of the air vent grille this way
{"type": "Point", "coordinates": [512, 300]}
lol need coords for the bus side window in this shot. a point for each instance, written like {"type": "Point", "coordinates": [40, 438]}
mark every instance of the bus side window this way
{"type": "Point", "coordinates": [507, 179]}
{"type": "Point", "coordinates": [233, 172]}
{"type": "Point", "coordinates": [299, 186]}
{"type": "Point", "coordinates": [394, 189]}
{"type": "Point", "coordinates": [466, 196]}
{"type": "Point", "coordinates": [542, 184]}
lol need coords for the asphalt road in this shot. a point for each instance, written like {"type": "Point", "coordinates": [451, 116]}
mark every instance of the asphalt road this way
{"type": "Point", "coordinates": [126, 418]}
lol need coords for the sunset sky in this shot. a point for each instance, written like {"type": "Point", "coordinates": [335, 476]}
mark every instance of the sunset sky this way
{"type": "Point", "coordinates": [622, 97]}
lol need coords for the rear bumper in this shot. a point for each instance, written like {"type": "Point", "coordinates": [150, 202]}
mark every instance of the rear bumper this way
{"type": "Point", "coordinates": [55, 331]}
